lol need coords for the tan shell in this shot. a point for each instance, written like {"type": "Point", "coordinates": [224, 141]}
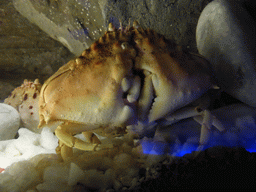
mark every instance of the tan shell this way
{"type": "Point", "coordinates": [87, 90]}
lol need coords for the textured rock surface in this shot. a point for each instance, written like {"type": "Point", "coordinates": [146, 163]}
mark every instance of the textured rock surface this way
{"type": "Point", "coordinates": [9, 122]}
{"type": "Point", "coordinates": [24, 48]}
{"type": "Point", "coordinates": [5, 89]}
{"type": "Point", "coordinates": [226, 36]}
{"type": "Point", "coordinates": [78, 23]}
{"type": "Point", "coordinates": [229, 168]}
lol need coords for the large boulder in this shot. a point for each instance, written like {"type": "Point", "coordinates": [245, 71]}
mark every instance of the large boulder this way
{"type": "Point", "coordinates": [226, 37]}
{"type": "Point", "coordinates": [9, 122]}
{"type": "Point", "coordinates": [77, 24]}
{"type": "Point", "coordinates": [24, 48]}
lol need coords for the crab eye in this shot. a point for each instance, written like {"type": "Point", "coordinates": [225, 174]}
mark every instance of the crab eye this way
{"type": "Point", "coordinates": [125, 45]}
{"type": "Point", "coordinates": [111, 27]}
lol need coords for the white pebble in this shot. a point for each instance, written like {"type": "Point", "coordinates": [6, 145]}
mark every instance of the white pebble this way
{"type": "Point", "coordinates": [57, 172]}
{"type": "Point", "coordinates": [117, 185]}
{"type": "Point", "coordinates": [29, 174]}
{"type": "Point", "coordinates": [94, 179]}
{"type": "Point", "coordinates": [133, 183]}
{"type": "Point", "coordinates": [127, 176]}
{"type": "Point", "coordinates": [9, 121]}
{"type": "Point", "coordinates": [48, 140]}
{"type": "Point", "coordinates": [11, 150]}
{"type": "Point", "coordinates": [123, 161]}
{"type": "Point", "coordinates": [106, 163]}
{"type": "Point", "coordinates": [153, 159]}
{"type": "Point", "coordinates": [7, 181]}
{"type": "Point", "coordinates": [27, 136]}
{"type": "Point", "coordinates": [53, 186]}
{"type": "Point", "coordinates": [75, 174]}
{"type": "Point", "coordinates": [109, 177]}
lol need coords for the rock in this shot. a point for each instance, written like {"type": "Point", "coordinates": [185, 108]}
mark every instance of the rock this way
{"type": "Point", "coordinates": [24, 48]}
{"type": "Point", "coordinates": [30, 176]}
{"type": "Point", "coordinates": [5, 90]}
{"type": "Point", "coordinates": [77, 24]}
{"type": "Point", "coordinates": [27, 145]}
{"type": "Point", "coordinates": [81, 18]}
{"type": "Point", "coordinates": [75, 174]}
{"type": "Point", "coordinates": [225, 35]}
{"type": "Point", "coordinates": [9, 122]}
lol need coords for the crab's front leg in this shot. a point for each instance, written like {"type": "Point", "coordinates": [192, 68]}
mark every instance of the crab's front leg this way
{"type": "Point", "coordinates": [64, 133]}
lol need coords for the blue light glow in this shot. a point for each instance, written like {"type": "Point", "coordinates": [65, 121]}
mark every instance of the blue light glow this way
{"type": "Point", "coordinates": [160, 148]}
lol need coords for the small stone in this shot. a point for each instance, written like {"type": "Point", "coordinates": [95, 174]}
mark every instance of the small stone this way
{"type": "Point", "coordinates": [9, 122]}
{"type": "Point", "coordinates": [7, 182]}
{"type": "Point", "coordinates": [47, 139]}
{"type": "Point", "coordinates": [123, 161]}
{"type": "Point", "coordinates": [53, 186]}
{"type": "Point", "coordinates": [58, 172]}
{"type": "Point", "coordinates": [29, 174]}
{"type": "Point", "coordinates": [117, 185]}
{"type": "Point", "coordinates": [134, 183]}
{"type": "Point", "coordinates": [75, 174]}
{"type": "Point", "coordinates": [94, 179]}
{"type": "Point", "coordinates": [225, 35]}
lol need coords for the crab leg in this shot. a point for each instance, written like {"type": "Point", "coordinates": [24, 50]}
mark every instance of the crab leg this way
{"type": "Point", "coordinates": [91, 137]}
{"type": "Point", "coordinates": [205, 118]}
{"type": "Point", "coordinates": [184, 113]}
{"type": "Point", "coordinates": [64, 133]}
{"type": "Point", "coordinates": [71, 141]}
{"type": "Point", "coordinates": [215, 122]}
{"type": "Point", "coordinates": [64, 150]}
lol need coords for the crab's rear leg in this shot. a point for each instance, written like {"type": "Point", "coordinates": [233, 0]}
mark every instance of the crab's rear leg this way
{"type": "Point", "coordinates": [64, 133]}
{"type": "Point", "coordinates": [91, 137]}
{"type": "Point", "coordinates": [204, 117]}
{"type": "Point", "coordinates": [207, 120]}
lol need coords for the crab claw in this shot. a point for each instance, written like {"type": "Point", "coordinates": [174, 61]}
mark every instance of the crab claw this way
{"type": "Point", "coordinates": [178, 78]}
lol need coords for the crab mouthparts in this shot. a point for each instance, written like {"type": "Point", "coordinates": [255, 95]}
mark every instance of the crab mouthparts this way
{"type": "Point", "coordinates": [131, 89]}
{"type": "Point", "coordinates": [131, 86]}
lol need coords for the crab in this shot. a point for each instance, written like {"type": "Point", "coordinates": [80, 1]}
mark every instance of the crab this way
{"type": "Point", "coordinates": [127, 78]}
